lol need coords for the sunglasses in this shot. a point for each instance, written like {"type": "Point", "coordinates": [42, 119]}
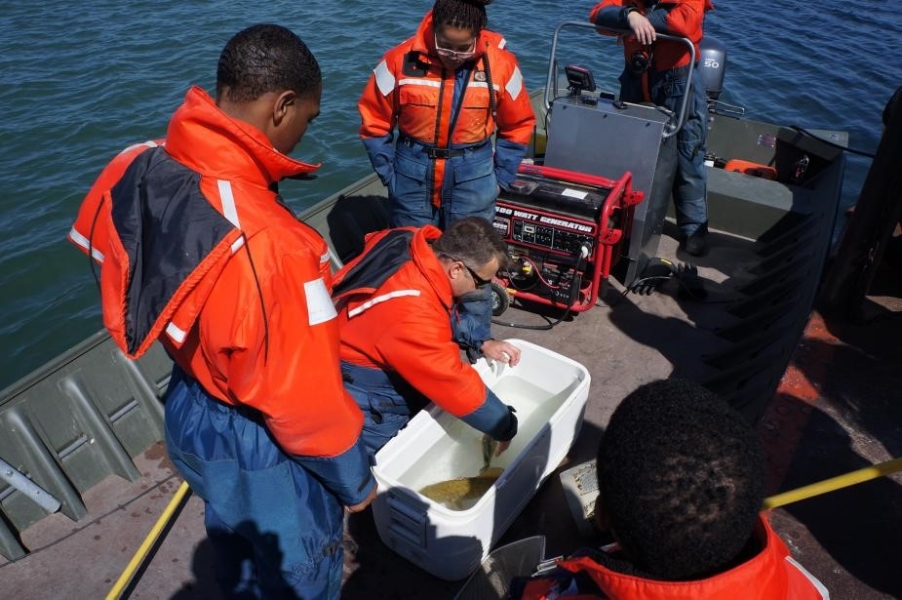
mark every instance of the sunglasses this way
{"type": "Point", "coordinates": [479, 281]}
{"type": "Point", "coordinates": [455, 55]}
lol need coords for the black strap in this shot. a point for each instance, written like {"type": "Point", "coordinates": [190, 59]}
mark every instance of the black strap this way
{"type": "Point", "coordinates": [460, 104]}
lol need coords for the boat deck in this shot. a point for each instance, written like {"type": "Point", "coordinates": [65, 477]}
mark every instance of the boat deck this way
{"type": "Point", "coordinates": [837, 409]}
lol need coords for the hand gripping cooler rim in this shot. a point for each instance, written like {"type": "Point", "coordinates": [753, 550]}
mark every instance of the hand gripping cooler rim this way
{"type": "Point", "coordinates": [448, 543]}
{"type": "Point", "coordinates": [605, 250]}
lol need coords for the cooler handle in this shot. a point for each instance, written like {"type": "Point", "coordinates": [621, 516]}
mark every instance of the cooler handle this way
{"type": "Point", "coordinates": [406, 521]}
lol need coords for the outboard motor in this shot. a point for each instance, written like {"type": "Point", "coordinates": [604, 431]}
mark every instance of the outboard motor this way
{"type": "Point", "coordinates": [712, 65]}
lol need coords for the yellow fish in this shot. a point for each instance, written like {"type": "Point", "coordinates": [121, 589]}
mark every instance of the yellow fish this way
{"type": "Point", "coordinates": [454, 493]}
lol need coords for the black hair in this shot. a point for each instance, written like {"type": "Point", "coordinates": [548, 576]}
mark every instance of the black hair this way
{"type": "Point", "coordinates": [681, 478]}
{"type": "Point", "coordinates": [474, 241]}
{"type": "Point", "coordinates": [466, 14]}
{"type": "Point", "coordinates": [266, 58]}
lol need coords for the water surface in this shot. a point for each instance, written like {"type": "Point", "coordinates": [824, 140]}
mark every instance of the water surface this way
{"type": "Point", "coordinates": [81, 81]}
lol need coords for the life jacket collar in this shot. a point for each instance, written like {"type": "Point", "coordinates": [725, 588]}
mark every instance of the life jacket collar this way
{"type": "Point", "coordinates": [199, 129]}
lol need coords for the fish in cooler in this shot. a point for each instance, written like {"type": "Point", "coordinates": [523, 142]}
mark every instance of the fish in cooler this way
{"type": "Point", "coordinates": [456, 493]}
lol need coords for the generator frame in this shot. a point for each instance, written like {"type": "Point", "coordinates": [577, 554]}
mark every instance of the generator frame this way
{"type": "Point", "coordinates": [582, 241]}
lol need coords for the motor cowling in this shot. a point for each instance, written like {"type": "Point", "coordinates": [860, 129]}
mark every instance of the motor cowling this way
{"type": "Point", "coordinates": [712, 65]}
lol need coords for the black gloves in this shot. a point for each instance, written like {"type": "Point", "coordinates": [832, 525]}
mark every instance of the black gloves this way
{"type": "Point", "coordinates": [507, 433]}
{"type": "Point", "coordinates": [656, 272]}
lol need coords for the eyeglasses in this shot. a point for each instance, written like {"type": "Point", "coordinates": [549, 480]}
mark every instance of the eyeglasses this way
{"type": "Point", "coordinates": [455, 55]}
{"type": "Point", "coordinates": [479, 281]}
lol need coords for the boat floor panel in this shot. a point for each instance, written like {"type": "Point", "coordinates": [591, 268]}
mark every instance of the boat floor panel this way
{"type": "Point", "coordinates": [838, 409]}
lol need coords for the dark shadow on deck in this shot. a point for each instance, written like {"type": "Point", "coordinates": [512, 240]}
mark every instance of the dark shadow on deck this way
{"type": "Point", "coordinates": [856, 528]}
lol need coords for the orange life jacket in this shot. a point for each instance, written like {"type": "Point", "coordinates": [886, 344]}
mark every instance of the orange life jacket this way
{"type": "Point", "coordinates": [412, 89]}
{"type": "Point", "coordinates": [685, 19]}
{"type": "Point", "coordinates": [772, 573]}
{"type": "Point", "coordinates": [196, 250]}
{"type": "Point", "coordinates": [401, 325]}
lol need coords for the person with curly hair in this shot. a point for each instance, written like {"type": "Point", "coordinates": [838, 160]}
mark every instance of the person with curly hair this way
{"type": "Point", "coordinates": [681, 483]}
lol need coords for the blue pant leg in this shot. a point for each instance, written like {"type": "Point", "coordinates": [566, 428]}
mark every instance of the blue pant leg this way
{"type": "Point", "coordinates": [473, 193]}
{"type": "Point", "coordinates": [471, 319]}
{"type": "Point", "coordinates": [410, 191]}
{"type": "Point", "coordinates": [690, 183]}
{"type": "Point", "coordinates": [257, 494]}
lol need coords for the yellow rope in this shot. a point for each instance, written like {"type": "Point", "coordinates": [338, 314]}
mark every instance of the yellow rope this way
{"type": "Point", "coordinates": [834, 483]}
{"type": "Point", "coordinates": [148, 543]}
{"type": "Point", "coordinates": [802, 493]}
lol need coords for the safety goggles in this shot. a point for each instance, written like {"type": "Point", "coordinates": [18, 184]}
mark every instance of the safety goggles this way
{"type": "Point", "coordinates": [455, 55]}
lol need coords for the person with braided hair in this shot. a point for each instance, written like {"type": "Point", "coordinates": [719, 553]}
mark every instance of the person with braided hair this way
{"type": "Point", "coordinates": [447, 91]}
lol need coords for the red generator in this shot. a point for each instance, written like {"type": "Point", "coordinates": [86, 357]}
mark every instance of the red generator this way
{"type": "Point", "coordinates": [564, 231]}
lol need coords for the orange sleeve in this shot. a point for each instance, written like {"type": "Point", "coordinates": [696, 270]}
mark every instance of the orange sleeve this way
{"type": "Point", "coordinates": [593, 14]}
{"type": "Point", "coordinates": [420, 348]}
{"type": "Point", "coordinates": [685, 18]}
{"type": "Point", "coordinates": [516, 119]}
{"type": "Point", "coordinates": [377, 103]}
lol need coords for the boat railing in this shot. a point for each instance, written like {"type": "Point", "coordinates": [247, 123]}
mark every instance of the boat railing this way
{"type": "Point", "coordinates": [551, 83]}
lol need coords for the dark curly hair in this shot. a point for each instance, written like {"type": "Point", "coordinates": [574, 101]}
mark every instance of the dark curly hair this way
{"type": "Point", "coordinates": [266, 58]}
{"type": "Point", "coordinates": [466, 14]}
{"type": "Point", "coordinates": [681, 477]}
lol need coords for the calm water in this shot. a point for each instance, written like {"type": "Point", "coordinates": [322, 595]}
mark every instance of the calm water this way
{"type": "Point", "coordinates": [78, 82]}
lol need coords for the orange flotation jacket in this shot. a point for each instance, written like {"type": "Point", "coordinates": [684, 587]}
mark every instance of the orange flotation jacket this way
{"type": "Point", "coordinates": [772, 573]}
{"type": "Point", "coordinates": [411, 89]}
{"type": "Point", "coordinates": [683, 18]}
{"type": "Point", "coordinates": [195, 249]}
{"type": "Point", "coordinates": [394, 304]}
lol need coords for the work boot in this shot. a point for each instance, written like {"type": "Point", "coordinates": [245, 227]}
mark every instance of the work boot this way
{"type": "Point", "coordinates": [697, 244]}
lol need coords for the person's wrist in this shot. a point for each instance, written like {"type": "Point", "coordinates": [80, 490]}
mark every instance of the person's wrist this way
{"type": "Point", "coordinates": [512, 425]}
{"type": "Point", "coordinates": [627, 11]}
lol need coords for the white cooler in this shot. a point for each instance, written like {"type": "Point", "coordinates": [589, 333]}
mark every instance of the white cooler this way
{"type": "Point", "coordinates": [549, 392]}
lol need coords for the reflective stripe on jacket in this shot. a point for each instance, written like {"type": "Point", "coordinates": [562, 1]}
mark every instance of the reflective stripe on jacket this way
{"type": "Point", "coordinates": [401, 323]}
{"type": "Point", "coordinates": [410, 88]}
{"type": "Point", "coordinates": [196, 249]}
